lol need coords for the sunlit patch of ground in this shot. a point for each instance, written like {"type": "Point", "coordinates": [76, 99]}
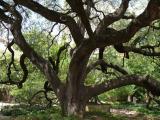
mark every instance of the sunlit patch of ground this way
{"type": "Point", "coordinates": [124, 112]}
{"type": "Point", "coordinates": [133, 115]}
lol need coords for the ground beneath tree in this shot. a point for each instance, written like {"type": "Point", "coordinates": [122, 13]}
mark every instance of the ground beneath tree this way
{"type": "Point", "coordinates": [124, 114]}
{"type": "Point", "coordinates": [132, 115]}
{"type": "Point", "coordinates": [2, 117]}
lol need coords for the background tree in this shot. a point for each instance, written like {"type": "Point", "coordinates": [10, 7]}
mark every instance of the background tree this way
{"type": "Point", "coordinates": [89, 28]}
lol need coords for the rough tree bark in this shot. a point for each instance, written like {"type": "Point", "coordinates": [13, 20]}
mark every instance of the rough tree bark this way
{"type": "Point", "coordinates": [74, 95]}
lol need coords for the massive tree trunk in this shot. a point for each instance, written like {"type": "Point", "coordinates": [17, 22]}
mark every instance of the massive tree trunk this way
{"type": "Point", "coordinates": [74, 105]}
{"type": "Point", "coordinates": [73, 101]}
{"type": "Point", "coordinates": [76, 94]}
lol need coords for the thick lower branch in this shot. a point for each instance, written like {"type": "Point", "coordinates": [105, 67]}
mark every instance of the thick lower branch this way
{"type": "Point", "coordinates": [143, 81]}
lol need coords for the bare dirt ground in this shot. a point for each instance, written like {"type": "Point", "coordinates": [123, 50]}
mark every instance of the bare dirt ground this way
{"type": "Point", "coordinates": [4, 117]}
{"type": "Point", "coordinates": [132, 115]}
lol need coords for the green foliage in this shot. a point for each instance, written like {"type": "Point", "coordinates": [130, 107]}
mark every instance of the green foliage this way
{"type": "Point", "coordinates": [35, 80]}
{"type": "Point", "coordinates": [138, 64]}
{"type": "Point", "coordinates": [119, 94]}
{"type": "Point", "coordinates": [33, 84]}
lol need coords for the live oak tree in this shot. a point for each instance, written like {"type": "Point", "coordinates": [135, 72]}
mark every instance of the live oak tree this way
{"type": "Point", "coordinates": [73, 94]}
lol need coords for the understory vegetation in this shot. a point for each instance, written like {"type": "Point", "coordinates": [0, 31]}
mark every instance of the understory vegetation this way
{"type": "Point", "coordinates": [24, 112]}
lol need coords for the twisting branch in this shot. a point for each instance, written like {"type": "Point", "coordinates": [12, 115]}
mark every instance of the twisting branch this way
{"type": "Point", "coordinates": [144, 50]}
{"type": "Point", "coordinates": [22, 64]}
{"type": "Point", "coordinates": [47, 89]}
{"type": "Point", "coordinates": [55, 64]}
{"type": "Point", "coordinates": [110, 65]}
{"type": "Point", "coordinates": [60, 31]}
{"type": "Point", "coordinates": [25, 71]}
{"type": "Point", "coordinates": [11, 62]}
{"type": "Point", "coordinates": [112, 17]}
{"type": "Point", "coordinates": [92, 4]}
{"type": "Point", "coordinates": [46, 97]}
{"type": "Point", "coordinates": [103, 67]}
{"type": "Point", "coordinates": [52, 28]}
{"type": "Point", "coordinates": [30, 100]}
{"type": "Point", "coordinates": [121, 49]}
{"type": "Point", "coordinates": [64, 47]}
{"type": "Point", "coordinates": [77, 6]}
{"type": "Point", "coordinates": [54, 17]}
{"type": "Point", "coordinates": [6, 42]}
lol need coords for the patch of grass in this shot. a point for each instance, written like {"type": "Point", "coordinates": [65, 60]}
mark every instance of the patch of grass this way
{"type": "Point", "coordinates": [103, 116]}
{"type": "Point", "coordinates": [27, 110]}
{"type": "Point", "coordinates": [38, 113]}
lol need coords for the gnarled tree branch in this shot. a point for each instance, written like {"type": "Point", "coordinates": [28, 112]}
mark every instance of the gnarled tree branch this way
{"type": "Point", "coordinates": [77, 6]}
{"type": "Point", "coordinates": [54, 17]}
{"type": "Point", "coordinates": [40, 62]}
{"type": "Point", "coordinates": [151, 13]}
{"type": "Point", "coordinates": [143, 81]}
{"type": "Point", "coordinates": [112, 17]}
{"type": "Point", "coordinates": [105, 64]}
{"type": "Point", "coordinates": [148, 51]}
